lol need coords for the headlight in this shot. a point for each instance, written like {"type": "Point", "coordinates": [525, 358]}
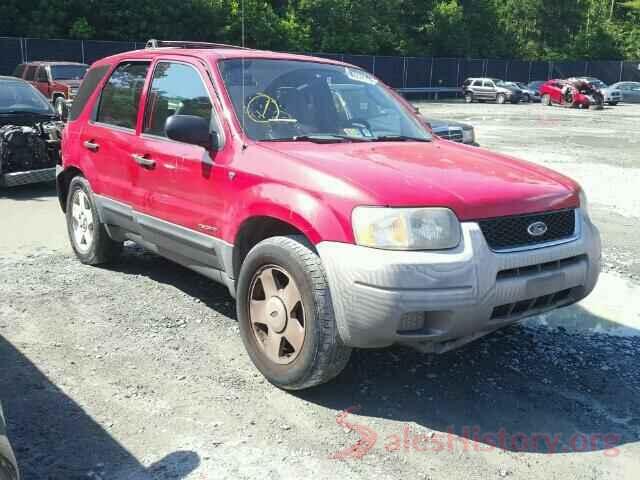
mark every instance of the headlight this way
{"type": "Point", "coordinates": [406, 228]}
{"type": "Point", "coordinates": [468, 135]}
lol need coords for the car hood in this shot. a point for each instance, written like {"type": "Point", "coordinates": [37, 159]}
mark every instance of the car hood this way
{"type": "Point", "coordinates": [473, 182]}
{"type": "Point", "coordinates": [438, 124]}
{"type": "Point", "coordinates": [509, 89]}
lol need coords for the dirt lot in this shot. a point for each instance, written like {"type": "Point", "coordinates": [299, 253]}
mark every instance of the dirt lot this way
{"type": "Point", "coordinates": [137, 372]}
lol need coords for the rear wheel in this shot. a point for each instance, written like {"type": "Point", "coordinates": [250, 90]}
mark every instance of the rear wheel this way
{"type": "Point", "coordinates": [546, 99]}
{"type": "Point", "coordinates": [526, 98]}
{"type": "Point", "coordinates": [501, 98]}
{"type": "Point", "coordinates": [286, 316]}
{"type": "Point", "coordinates": [613, 104]}
{"type": "Point", "coordinates": [89, 238]}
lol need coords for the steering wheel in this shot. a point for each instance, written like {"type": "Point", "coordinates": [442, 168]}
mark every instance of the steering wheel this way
{"type": "Point", "coordinates": [262, 108]}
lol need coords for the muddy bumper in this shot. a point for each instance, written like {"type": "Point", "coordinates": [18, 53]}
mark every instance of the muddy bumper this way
{"type": "Point", "coordinates": [436, 301]}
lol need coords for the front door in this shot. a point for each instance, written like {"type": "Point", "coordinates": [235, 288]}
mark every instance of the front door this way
{"type": "Point", "coordinates": [180, 214]}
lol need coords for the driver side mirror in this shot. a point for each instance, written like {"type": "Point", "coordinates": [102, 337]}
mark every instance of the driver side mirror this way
{"type": "Point", "coordinates": [193, 130]}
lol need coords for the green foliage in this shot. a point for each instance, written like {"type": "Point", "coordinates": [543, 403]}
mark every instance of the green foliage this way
{"type": "Point", "coordinates": [531, 29]}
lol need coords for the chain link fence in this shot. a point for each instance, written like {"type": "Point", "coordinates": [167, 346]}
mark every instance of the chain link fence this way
{"type": "Point", "coordinates": [396, 71]}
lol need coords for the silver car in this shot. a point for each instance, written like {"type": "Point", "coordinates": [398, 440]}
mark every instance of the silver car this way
{"type": "Point", "coordinates": [630, 91]}
{"type": "Point", "coordinates": [611, 95]}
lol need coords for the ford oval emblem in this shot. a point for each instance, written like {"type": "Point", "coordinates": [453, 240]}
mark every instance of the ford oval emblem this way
{"type": "Point", "coordinates": [536, 229]}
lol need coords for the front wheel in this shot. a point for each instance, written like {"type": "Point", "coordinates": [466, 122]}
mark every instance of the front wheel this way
{"type": "Point", "coordinates": [88, 235]}
{"type": "Point", "coordinates": [468, 97]}
{"type": "Point", "coordinates": [501, 99]}
{"type": "Point", "coordinates": [546, 99]}
{"type": "Point", "coordinates": [527, 98]}
{"type": "Point", "coordinates": [285, 314]}
{"type": "Point", "coordinates": [613, 104]}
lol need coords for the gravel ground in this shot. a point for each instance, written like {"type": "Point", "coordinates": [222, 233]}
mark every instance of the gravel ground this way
{"type": "Point", "coordinates": [137, 371]}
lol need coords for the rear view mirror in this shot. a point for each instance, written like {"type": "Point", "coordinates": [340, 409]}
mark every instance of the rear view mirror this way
{"type": "Point", "coordinates": [191, 129]}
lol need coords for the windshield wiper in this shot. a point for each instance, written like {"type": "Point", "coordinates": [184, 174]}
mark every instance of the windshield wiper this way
{"type": "Point", "coordinates": [399, 138]}
{"type": "Point", "coordinates": [319, 139]}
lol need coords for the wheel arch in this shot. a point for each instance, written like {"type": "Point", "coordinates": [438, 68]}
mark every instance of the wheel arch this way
{"type": "Point", "coordinates": [255, 229]}
{"type": "Point", "coordinates": [63, 180]}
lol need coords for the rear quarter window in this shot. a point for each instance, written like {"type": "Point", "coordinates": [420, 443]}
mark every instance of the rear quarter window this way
{"type": "Point", "coordinates": [91, 80]}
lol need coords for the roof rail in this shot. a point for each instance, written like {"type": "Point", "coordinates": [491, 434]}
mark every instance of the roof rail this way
{"type": "Point", "coordinates": [153, 43]}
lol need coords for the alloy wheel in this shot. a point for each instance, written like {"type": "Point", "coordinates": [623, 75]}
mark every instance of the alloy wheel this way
{"type": "Point", "coordinates": [276, 314]}
{"type": "Point", "coordinates": [83, 224]}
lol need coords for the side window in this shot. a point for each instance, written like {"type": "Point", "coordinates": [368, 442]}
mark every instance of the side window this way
{"type": "Point", "coordinates": [176, 89]}
{"type": "Point", "coordinates": [31, 72]}
{"type": "Point", "coordinates": [477, 83]}
{"type": "Point", "coordinates": [489, 83]}
{"type": "Point", "coordinates": [41, 75]}
{"type": "Point", "coordinates": [121, 95]}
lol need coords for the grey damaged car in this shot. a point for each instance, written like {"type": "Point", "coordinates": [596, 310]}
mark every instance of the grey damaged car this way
{"type": "Point", "coordinates": [451, 130]}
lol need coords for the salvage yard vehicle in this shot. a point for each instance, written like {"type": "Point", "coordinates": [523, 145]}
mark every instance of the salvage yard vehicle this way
{"type": "Point", "coordinates": [611, 95]}
{"type": "Point", "coordinates": [332, 231]}
{"type": "Point", "coordinates": [490, 89]}
{"type": "Point", "coordinates": [451, 130]}
{"type": "Point", "coordinates": [630, 91]}
{"type": "Point", "coordinates": [30, 133]}
{"type": "Point", "coordinates": [58, 81]}
{"type": "Point", "coordinates": [573, 93]}
{"type": "Point", "coordinates": [8, 465]}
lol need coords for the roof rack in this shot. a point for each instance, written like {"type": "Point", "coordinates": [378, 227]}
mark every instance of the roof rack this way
{"type": "Point", "coordinates": [153, 43]}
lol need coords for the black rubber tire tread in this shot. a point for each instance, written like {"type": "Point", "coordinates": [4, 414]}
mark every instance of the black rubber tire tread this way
{"type": "Point", "coordinates": [330, 356]}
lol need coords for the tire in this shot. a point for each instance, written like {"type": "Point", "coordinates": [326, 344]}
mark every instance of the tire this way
{"type": "Point", "coordinates": [613, 104]}
{"type": "Point", "coordinates": [501, 99]}
{"type": "Point", "coordinates": [98, 248]}
{"type": "Point", "coordinates": [468, 97]}
{"type": "Point", "coordinates": [546, 100]}
{"type": "Point", "coordinates": [60, 107]}
{"type": "Point", "coordinates": [526, 99]}
{"type": "Point", "coordinates": [319, 355]}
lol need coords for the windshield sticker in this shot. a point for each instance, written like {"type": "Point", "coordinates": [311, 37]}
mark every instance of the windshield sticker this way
{"type": "Point", "coordinates": [360, 76]}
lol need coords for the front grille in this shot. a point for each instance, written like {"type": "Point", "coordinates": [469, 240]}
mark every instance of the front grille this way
{"type": "Point", "coordinates": [531, 305]}
{"type": "Point", "coordinates": [512, 232]}
{"type": "Point", "coordinates": [453, 134]}
{"type": "Point", "coordinates": [539, 268]}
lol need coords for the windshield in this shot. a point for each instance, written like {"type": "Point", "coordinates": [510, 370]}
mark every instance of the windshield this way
{"type": "Point", "coordinates": [68, 72]}
{"type": "Point", "coordinates": [16, 97]}
{"type": "Point", "coordinates": [289, 100]}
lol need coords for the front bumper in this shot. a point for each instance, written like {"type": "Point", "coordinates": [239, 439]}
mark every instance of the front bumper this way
{"type": "Point", "coordinates": [24, 178]}
{"type": "Point", "coordinates": [436, 301]}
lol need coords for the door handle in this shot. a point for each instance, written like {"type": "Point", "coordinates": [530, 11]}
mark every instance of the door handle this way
{"type": "Point", "coordinates": [91, 145]}
{"type": "Point", "coordinates": [144, 161]}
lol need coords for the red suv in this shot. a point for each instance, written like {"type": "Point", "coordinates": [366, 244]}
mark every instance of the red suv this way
{"type": "Point", "coordinates": [322, 201]}
{"type": "Point", "coordinates": [58, 81]}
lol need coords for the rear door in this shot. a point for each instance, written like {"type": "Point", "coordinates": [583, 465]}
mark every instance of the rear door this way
{"type": "Point", "coordinates": [183, 201]}
{"type": "Point", "coordinates": [108, 141]}
{"type": "Point", "coordinates": [489, 89]}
